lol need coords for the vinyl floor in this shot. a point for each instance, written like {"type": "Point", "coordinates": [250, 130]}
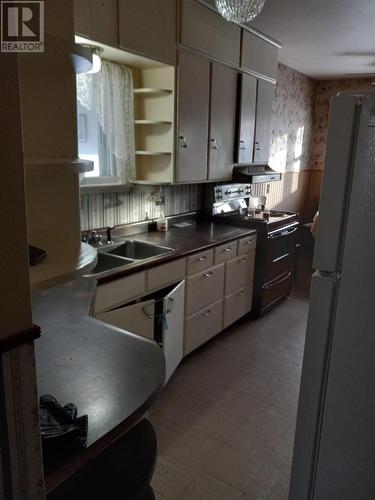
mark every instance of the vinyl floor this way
{"type": "Point", "coordinates": [226, 420]}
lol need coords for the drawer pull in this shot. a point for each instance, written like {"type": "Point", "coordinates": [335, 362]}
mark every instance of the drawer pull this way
{"type": "Point", "coordinates": [241, 293]}
{"type": "Point", "coordinates": [206, 313]}
{"type": "Point", "coordinates": [228, 249]}
{"type": "Point", "coordinates": [242, 260]}
{"type": "Point", "coordinates": [208, 275]}
{"type": "Point", "coordinates": [250, 242]}
{"type": "Point", "coordinates": [202, 259]}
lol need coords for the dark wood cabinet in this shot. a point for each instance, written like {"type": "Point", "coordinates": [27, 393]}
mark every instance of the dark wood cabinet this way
{"type": "Point", "coordinates": [265, 97]}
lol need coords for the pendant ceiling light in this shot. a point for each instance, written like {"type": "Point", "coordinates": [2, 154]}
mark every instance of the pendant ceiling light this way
{"type": "Point", "coordinates": [239, 11]}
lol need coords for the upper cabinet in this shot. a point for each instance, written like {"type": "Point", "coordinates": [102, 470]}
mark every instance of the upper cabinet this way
{"type": "Point", "coordinates": [148, 28]}
{"type": "Point", "coordinates": [97, 20]}
{"type": "Point", "coordinates": [246, 118]}
{"type": "Point", "coordinates": [206, 31]}
{"type": "Point", "coordinates": [222, 122]}
{"type": "Point", "coordinates": [265, 97]}
{"type": "Point", "coordinates": [258, 56]}
{"type": "Point", "coordinates": [193, 113]}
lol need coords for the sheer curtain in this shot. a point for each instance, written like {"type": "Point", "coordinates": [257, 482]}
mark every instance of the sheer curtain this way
{"type": "Point", "coordinates": [109, 94]}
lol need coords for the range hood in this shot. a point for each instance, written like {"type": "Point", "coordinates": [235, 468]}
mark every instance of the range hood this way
{"type": "Point", "coordinates": [254, 173]}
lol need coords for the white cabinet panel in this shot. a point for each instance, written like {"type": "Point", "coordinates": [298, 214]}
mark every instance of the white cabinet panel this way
{"type": "Point", "coordinates": [202, 326]}
{"type": "Point", "coordinates": [199, 262]}
{"type": "Point", "coordinates": [239, 272]}
{"type": "Point", "coordinates": [237, 304]}
{"type": "Point", "coordinates": [137, 318]}
{"type": "Point", "coordinates": [166, 274]}
{"type": "Point", "coordinates": [173, 329]}
{"type": "Point", "coordinates": [120, 291]}
{"type": "Point", "coordinates": [204, 289]}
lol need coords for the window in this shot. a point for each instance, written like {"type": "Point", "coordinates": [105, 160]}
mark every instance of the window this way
{"type": "Point", "coordinates": [106, 124]}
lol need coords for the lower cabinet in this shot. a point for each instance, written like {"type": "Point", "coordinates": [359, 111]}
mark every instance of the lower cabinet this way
{"type": "Point", "coordinates": [237, 304]}
{"type": "Point", "coordinates": [202, 326]}
{"type": "Point", "coordinates": [159, 317]}
{"type": "Point", "coordinates": [239, 272]}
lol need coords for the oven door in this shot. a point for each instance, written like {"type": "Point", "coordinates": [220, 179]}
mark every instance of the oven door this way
{"type": "Point", "coordinates": [281, 251]}
{"type": "Point", "coordinates": [275, 291]}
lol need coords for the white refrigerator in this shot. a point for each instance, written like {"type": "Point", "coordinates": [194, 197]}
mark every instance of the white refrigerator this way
{"type": "Point", "coordinates": [334, 449]}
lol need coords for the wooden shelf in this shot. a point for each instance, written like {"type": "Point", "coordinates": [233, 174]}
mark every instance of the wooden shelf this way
{"type": "Point", "coordinates": [152, 122]}
{"type": "Point", "coordinates": [59, 165]}
{"type": "Point", "coordinates": [152, 91]}
{"type": "Point", "coordinates": [149, 183]}
{"type": "Point", "coordinates": [153, 153]}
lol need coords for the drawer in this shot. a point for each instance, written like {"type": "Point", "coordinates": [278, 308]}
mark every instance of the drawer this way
{"type": "Point", "coordinates": [239, 272]}
{"type": "Point", "coordinates": [118, 292]}
{"type": "Point", "coordinates": [247, 244]}
{"type": "Point", "coordinates": [225, 252]}
{"type": "Point", "coordinates": [199, 262]}
{"type": "Point", "coordinates": [204, 289]}
{"type": "Point", "coordinates": [237, 304]}
{"type": "Point", "coordinates": [202, 326]}
{"type": "Point", "coordinates": [159, 276]}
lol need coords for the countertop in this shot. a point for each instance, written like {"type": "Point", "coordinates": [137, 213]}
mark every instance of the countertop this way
{"type": "Point", "coordinates": [111, 375]}
{"type": "Point", "coordinates": [184, 241]}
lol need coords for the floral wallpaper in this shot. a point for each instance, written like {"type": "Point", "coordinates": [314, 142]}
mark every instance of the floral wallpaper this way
{"type": "Point", "coordinates": [292, 121]}
{"type": "Point", "coordinates": [326, 89]}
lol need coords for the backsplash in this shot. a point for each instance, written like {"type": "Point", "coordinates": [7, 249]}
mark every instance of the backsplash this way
{"type": "Point", "coordinates": [99, 210]}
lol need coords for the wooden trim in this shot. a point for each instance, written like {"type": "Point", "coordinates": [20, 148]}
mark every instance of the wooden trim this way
{"type": "Point", "coordinates": [17, 339]}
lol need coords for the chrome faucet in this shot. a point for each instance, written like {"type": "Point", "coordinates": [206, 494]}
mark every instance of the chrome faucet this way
{"type": "Point", "coordinates": [94, 239]}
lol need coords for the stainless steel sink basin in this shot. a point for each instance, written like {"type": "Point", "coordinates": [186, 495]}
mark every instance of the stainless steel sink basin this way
{"type": "Point", "coordinates": [106, 262]}
{"type": "Point", "coordinates": [138, 250]}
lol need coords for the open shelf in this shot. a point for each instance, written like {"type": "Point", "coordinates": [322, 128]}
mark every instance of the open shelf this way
{"type": "Point", "coordinates": [152, 122]}
{"type": "Point", "coordinates": [152, 91]}
{"type": "Point", "coordinates": [153, 153]}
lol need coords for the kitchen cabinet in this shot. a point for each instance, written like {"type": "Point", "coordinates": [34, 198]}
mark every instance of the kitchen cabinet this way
{"type": "Point", "coordinates": [149, 28]}
{"type": "Point", "coordinates": [223, 112]}
{"type": "Point", "coordinates": [239, 272]}
{"type": "Point", "coordinates": [206, 31]}
{"type": "Point", "coordinates": [204, 288]}
{"type": "Point", "coordinates": [258, 56]}
{"type": "Point", "coordinates": [265, 97]}
{"type": "Point", "coordinates": [236, 305]}
{"type": "Point", "coordinates": [246, 118]}
{"type": "Point", "coordinates": [202, 326]}
{"type": "Point", "coordinates": [193, 113]}
{"type": "Point", "coordinates": [142, 319]}
{"type": "Point", "coordinates": [97, 20]}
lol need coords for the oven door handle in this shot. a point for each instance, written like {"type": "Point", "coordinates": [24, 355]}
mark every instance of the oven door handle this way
{"type": "Point", "coordinates": [267, 286]}
{"type": "Point", "coordinates": [281, 234]}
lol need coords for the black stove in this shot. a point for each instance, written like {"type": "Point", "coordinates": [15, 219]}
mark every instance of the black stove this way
{"type": "Point", "coordinates": [276, 242]}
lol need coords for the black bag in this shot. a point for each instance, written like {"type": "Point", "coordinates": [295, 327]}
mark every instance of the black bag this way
{"type": "Point", "coordinates": [59, 426]}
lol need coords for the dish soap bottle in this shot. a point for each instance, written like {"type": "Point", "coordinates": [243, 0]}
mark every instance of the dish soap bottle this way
{"type": "Point", "coordinates": [162, 222]}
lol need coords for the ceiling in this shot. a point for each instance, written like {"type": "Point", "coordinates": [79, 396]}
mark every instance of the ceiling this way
{"type": "Point", "coordinates": [322, 38]}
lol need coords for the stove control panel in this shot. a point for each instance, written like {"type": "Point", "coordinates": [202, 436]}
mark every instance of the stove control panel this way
{"type": "Point", "coordinates": [226, 192]}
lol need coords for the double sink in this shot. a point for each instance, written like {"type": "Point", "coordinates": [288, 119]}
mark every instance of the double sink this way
{"type": "Point", "coordinates": [120, 254]}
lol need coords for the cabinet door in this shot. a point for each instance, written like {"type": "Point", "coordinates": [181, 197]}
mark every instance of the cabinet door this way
{"type": "Point", "coordinates": [97, 20]}
{"type": "Point", "coordinates": [237, 304]}
{"type": "Point", "coordinates": [239, 272]}
{"type": "Point", "coordinates": [173, 329]}
{"type": "Point", "coordinates": [222, 122]}
{"type": "Point", "coordinates": [206, 31]}
{"type": "Point", "coordinates": [248, 88]}
{"type": "Point", "coordinates": [137, 318]}
{"type": "Point", "coordinates": [149, 28]}
{"type": "Point", "coordinates": [259, 56]}
{"type": "Point", "coordinates": [204, 289]}
{"type": "Point", "coordinates": [104, 21]}
{"type": "Point", "coordinates": [266, 93]}
{"type": "Point", "coordinates": [202, 326]}
{"type": "Point", "coordinates": [193, 103]}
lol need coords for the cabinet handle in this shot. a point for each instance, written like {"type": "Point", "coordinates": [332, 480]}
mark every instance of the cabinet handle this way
{"type": "Point", "coordinates": [242, 145]}
{"type": "Point", "coordinates": [206, 313]}
{"type": "Point", "coordinates": [227, 250]}
{"type": "Point", "coordinates": [249, 242]}
{"type": "Point", "coordinates": [208, 275]}
{"type": "Point", "coordinates": [182, 141]}
{"type": "Point", "coordinates": [257, 146]}
{"type": "Point", "coordinates": [202, 259]}
{"type": "Point", "coordinates": [241, 293]}
{"type": "Point", "coordinates": [243, 260]}
{"type": "Point", "coordinates": [214, 144]}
